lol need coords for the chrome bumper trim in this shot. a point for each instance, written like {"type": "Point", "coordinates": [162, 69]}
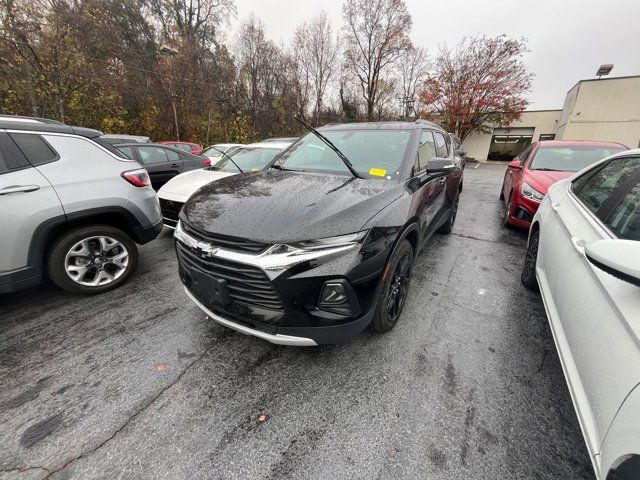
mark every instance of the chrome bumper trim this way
{"type": "Point", "coordinates": [273, 262]}
{"type": "Point", "coordinates": [278, 339]}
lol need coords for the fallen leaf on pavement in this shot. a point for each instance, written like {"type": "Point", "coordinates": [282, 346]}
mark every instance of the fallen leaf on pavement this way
{"type": "Point", "coordinates": [160, 368]}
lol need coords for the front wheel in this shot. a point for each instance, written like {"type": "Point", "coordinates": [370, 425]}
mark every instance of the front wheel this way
{"type": "Point", "coordinates": [92, 259]}
{"type": "Point", "coordinates": [528, 276]}
{"type": "Point", "coordinates": [394, 289]}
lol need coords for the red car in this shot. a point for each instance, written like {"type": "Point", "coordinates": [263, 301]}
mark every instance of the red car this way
{"type": "Point", "coordinates": [192, 148]}
{"type": "Point", "coordinates": [540, 165]}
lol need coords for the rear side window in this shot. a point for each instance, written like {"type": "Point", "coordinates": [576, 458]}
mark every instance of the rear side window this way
{"type": "Point", "coordinates": [127, 151]}
{"type": "Point", "coordinates": [11, 158]}
{"type": "Point", "coordinates": [35, 148]}
{"type": "Point", "coordinates": [172, 156]}
{"type": "Point", "coordinates": [624, 220]}
{"type": "Point", "coordinates": [442, 149]}
{"type": "Point", "coordinates": [599, 189]}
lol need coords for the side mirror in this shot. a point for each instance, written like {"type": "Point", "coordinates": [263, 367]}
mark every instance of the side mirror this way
{"type": "Point", "coordinates": [515, 164]}
{"type": "Point", "coordinates": [440, 165]}
{"type": "Point", "coordinates": [460, 153]}
{"type": "Point", "coordinates": [619, 258]}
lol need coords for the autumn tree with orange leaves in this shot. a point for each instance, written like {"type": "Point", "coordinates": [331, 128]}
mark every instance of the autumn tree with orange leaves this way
{"type": "Point", "coordinates": [481, 84]}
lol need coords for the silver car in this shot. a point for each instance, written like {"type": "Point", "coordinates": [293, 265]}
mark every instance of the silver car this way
{"type": "Point", "coordinates": [584, 254]}
{"type": "Point", "coordinates": [70, 206]}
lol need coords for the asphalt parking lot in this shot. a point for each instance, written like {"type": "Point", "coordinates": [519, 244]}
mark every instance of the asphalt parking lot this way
{"type": "Point", "coordinates": [137, 383]}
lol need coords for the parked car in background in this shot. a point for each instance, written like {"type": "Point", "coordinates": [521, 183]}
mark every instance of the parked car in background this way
{"type": "Point", "coordinates": [321, 244]}
{"type": "Point", "coordinates": [118, 139]}
{"type": "Point", "coordinates": [162, 161]}
{"type": "Point", "coordinates": [540, 165]}
{"type": "Point", "coordinates": [248, 158]}
{"type": "Point", "coordinates": [192, 148]}
{"type": "Point", "coordinates": [215, 152]}
{"type": "Point", "coordinates": [584, 254]}
{"type": "Point", "coordinates": [70, 208]}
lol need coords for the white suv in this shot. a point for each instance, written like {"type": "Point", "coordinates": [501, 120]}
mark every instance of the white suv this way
{"type": "Point", "coordinates": [70, 205]}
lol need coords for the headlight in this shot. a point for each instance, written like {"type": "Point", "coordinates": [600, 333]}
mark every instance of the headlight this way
{"type": "Point", "coordinates": [531, 193]}
{"type": "Point", "coordinates": [331, 242]}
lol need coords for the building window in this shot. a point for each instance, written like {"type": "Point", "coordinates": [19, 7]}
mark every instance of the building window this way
{"type": "Point", "coordinates": [547, 136]}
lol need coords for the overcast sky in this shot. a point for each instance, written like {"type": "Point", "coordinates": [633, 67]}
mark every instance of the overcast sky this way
{"type": "Point", "coordinates": [568, 39]}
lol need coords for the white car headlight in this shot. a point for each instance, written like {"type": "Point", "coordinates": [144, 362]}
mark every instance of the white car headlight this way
{"type": "Point", "coordinates": [531, 193]}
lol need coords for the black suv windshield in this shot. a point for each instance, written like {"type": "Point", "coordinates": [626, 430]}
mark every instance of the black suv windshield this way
{"type": "Point", "coordinates": [374, 153]}
{"type": "Point", "coordinates": [249, 159]}
{"type": "Point", "coordinates": [570, 159]}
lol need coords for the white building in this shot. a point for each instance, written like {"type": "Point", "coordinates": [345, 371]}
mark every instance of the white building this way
{"type": "Point", "coordinates": [605, 109]}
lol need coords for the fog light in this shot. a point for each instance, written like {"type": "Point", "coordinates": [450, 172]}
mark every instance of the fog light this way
{"type": "Point", "coordinates": [338, 297]}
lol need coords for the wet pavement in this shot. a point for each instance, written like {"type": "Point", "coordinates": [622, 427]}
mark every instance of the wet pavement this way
{"type": "Point", "coordinates": [137, 383]}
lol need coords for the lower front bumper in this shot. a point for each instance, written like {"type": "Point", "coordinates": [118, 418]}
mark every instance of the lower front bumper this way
{"type": "Point", "coordinates": [295, 336]}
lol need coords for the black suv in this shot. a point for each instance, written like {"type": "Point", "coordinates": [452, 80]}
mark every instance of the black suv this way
{"type": "Point", "coordinates": [321, 244]}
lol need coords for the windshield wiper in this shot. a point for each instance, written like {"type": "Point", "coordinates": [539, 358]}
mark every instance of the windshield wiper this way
{"type": "Point", "coordinates": [228, 156]}
{"type": "Point", "coordinates": [330, 144]}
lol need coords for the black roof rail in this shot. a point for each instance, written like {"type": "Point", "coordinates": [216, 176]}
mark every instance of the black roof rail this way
{"type": "Point", "coordinates": [16, 122]}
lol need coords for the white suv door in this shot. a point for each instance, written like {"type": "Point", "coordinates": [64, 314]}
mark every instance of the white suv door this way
{"type": "Point", "coordinates": [27, 200]}
{"type": "Point", "coordinates": [592, 313]}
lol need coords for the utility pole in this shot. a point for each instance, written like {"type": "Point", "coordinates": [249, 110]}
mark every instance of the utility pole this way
{"type": "Point", "coordinates": [175, 115]}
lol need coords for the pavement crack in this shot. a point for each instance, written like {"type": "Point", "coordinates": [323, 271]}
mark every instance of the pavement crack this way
{"type": "Point", "coordinates": [131, 418]}
{"type": "Point", "coordinates": [24, 469]}
{"type": "Point", "coordinates": [489, 240]}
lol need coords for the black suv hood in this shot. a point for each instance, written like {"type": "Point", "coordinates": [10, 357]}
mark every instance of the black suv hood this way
{"type": "Point", "coordinates": [277, 206]}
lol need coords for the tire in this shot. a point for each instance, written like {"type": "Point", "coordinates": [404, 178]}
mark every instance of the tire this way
{"type": "Point", "coordinates": [92, 259]}
{"type": "Point", "coordinates": [447, 227]}
{"type": "Point", "coordinates": [505, 219]}
{"type": "Point", "coordinates": [397, 279]}
{"type": "Point", "coordinates": [528, 276]}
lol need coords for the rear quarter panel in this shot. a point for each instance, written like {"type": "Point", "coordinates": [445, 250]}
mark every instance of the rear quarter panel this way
{"type": "Point", "coordinates": [86, 176]}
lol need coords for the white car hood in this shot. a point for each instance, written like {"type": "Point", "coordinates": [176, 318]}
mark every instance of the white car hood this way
{"type": "Point", "coordinates": [182, 186]}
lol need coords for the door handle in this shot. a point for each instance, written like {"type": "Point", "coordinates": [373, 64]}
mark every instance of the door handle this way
{"type": "Point", "coordinates": [175, 165]}
{"type": "Point", "coordinates": [578, 245]}
{"type": "Point", "coordinates": [555, 206]}
{"type": "Point", "coordinates": [19, 188]}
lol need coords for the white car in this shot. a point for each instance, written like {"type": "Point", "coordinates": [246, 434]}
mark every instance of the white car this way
{"type": "Point", "coordinates": [215, 152]}
{"type": "Point", "coordinates": [584, 251]}
{"type": "Point", "coordinates": [249, 158]}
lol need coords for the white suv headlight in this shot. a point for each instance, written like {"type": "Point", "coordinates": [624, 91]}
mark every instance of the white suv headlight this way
{"type": "Point", "coordinates": [531, 193]}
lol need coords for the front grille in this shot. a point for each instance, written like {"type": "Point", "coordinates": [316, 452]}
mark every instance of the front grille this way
{"type": "Point", "coordinates": [170, 211]}
{"type": "Point", "coordinates": [229, 243]}
{"type": "Point", "coordinates": [246, 284]}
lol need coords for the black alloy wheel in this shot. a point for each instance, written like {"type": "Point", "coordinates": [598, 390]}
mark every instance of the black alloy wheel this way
{"type": "Point", "coordinates": [395, 288]}
{"type": "Point", "coordinates": [528, 276]}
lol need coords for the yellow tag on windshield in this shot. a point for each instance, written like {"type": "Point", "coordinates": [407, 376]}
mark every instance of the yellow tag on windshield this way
{"type": "Point", "coordinates": [378, 172]}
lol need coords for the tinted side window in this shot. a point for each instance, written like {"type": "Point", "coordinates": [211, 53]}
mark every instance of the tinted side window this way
{"type": "Point", "coordinates": [595, 189]}
{"type": "Point", "coordinates": [624, 221]}
{"type": "Point", "coordinates": [442, 149]}
{"type": "Point", "coordinates": [149, 155]}
{"type": "Point", "coordinates": [127, 151]}
{"type": "Point", "coordinates": [172, 156]}
{"type": "Point", "coordinates": [524, 155]}
{"type": "Point", "coordinates": [426, 150]}
{"type": "Point", "coordinates": [37, 151]}
{"type": "Point", "coordinates": [11, 158]}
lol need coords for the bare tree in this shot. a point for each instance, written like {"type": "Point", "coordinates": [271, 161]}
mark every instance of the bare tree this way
{"type": "Point", "coordinates": [316, 50]}
{"type": "Point", "coordinates": [377, 34]}
{"type": "Point", "coordinates": [413, 68]}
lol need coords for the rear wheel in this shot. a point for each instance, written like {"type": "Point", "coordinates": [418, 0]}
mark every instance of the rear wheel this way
{"type": "Point", "coordinates": [448, 226]}
{"type": "Point", "coordinates": [394, 288]}
{"type": "Point", "coordinates": [92, 259]}
{"type": "Point", "coordinates": [528, 276]}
